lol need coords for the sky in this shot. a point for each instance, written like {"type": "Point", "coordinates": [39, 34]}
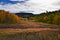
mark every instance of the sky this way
{"type": "Point", "coordinates": [32, 6]}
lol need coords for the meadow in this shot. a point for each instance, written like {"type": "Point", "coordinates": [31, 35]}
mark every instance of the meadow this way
{"type": "Point", "coordinates": [13, 27]}
{"type": "Point", "coordinates": [29, 35]}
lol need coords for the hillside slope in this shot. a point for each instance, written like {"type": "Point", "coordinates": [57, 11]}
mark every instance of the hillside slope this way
{"type": "Point", "coordinates": [48, 17]}
{"type": "Point", "coordinates": [8, 18]}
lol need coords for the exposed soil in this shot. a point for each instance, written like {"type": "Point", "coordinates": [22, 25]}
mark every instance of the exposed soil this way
{"type": "Point", "coordinates": [28, 26]}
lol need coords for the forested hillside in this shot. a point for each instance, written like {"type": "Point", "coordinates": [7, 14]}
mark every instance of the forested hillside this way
{"type": "Point", "coordinates": [48, 17]}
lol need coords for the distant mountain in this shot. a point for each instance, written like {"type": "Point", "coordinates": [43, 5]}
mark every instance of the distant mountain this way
{"type": "Point", "coordinates": [25, 15]}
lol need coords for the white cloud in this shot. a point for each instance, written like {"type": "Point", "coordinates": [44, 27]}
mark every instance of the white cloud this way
{"type": "Point", "coordinates": [57, 3]}
{"type": "Point", "coordinates": [34, 6]}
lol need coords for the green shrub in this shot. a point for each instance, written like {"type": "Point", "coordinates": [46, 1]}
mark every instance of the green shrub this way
{"type": "Point", "coordinates": [48, 17]}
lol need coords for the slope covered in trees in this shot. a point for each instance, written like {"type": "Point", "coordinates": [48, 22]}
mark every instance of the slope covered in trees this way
{"type": "Point", "coordinates": [48, 17]}
{"type": "Point", "coordinates": [6, 17]}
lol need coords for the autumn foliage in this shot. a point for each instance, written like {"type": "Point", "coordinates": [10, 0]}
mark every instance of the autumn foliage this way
{"type": "Point", "coordinates": [6, 17]}
{"type": "Point", "coordinates": [48, 17]}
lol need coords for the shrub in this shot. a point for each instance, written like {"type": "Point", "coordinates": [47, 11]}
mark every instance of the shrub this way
{"type": "Point", "coordinates": [6, 17]}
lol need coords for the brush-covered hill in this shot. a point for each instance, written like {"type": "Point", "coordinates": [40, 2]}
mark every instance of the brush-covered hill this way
{"type": "Point", "coordinates": [8, 18]}
{"type": "Point", "coordinates": [11, 20]}
{"type": "Point", "coordinates": [48, 17]}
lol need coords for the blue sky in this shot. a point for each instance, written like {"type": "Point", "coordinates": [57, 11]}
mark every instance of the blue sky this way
{"type": "Point", "coordinates": [11, 1]}
{"type": "Point", "coordinates": [34, 6]}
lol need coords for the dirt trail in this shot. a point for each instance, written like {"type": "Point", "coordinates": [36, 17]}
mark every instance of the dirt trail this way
{"type": "Point", "coordinates": [40, 24]}
{"type": "Point", "coordinates": [11, 30]}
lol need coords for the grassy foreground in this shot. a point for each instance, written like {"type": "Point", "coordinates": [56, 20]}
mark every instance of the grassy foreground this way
{"type": "Point", "coordinates": [40, 35]}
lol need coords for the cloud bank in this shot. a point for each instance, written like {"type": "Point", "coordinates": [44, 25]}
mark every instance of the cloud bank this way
{"type": "Point", "coordinates": [34, 6]}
